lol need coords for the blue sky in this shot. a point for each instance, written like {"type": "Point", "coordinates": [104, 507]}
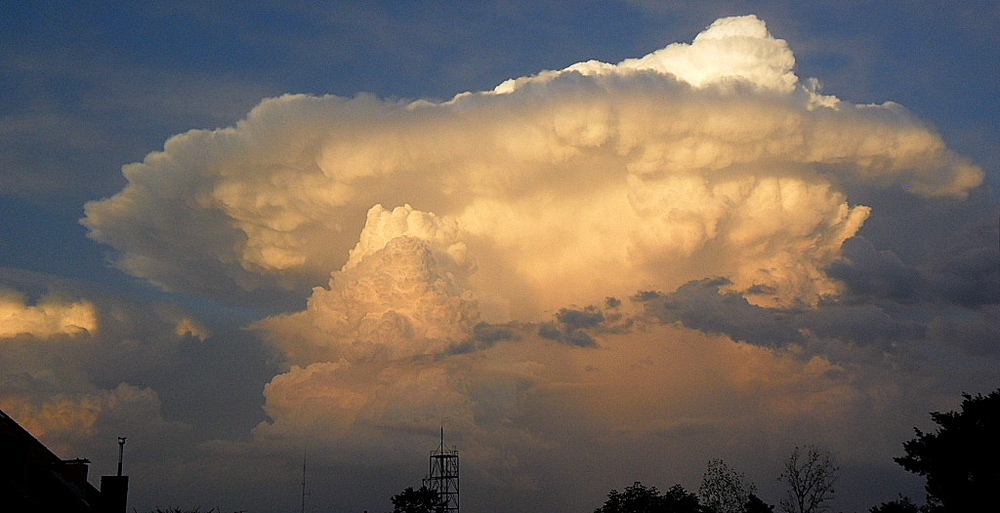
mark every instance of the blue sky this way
{"type": "Point", "coordinates": [180, 309]}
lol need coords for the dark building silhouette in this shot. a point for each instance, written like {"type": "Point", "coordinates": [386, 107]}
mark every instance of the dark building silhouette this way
{"type": "Point", "coordinates": [34, 480]}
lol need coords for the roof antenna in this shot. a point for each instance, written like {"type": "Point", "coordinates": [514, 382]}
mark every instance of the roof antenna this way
{"type": "Point", "coordinates": [303, 508]}
{"type": "Point", "coordinates": [121, 452]}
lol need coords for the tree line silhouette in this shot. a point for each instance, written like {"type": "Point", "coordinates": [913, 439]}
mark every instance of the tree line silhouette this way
{"type": "Point", "coordinates": [960, 461]}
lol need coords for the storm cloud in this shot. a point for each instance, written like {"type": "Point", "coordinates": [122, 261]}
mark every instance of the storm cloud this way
{"type": "Point", "coordinates": [695, 253]}
{"type": "Point", "coordinates": [564, 187]}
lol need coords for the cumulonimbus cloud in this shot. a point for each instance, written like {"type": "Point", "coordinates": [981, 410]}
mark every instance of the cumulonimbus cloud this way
{"type": "Point", "coordinates": [701, 159]}
{"type": "Point", "coordinates": [451, 254]}
{"type": "Point", "coordinates": [582, 186]}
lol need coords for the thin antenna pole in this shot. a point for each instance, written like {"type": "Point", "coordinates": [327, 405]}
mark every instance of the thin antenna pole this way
{"type": "Point", "coordinates": [121, 452]}
{"type": "Point", "coordinates": [303, 510]}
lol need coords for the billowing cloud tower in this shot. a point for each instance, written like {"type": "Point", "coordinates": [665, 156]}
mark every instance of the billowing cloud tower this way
{"type": "Point", "coordinates": [701, 159]}
{"type": "Point", "coordinates": [502, 262]}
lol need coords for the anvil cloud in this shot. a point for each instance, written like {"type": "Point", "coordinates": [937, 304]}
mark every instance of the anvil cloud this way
{"type": "Point", "coordinates": [562, 187]}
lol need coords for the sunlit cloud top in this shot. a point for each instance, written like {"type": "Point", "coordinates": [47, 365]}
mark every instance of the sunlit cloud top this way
{"type": "Point", "coordinates": [572, 185]}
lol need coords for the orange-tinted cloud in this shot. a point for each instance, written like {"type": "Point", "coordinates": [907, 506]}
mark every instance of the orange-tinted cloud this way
{"type": "Point", "coordinates": [50, 316]}
{"type": "Point", "coordinates": [563, 187]}
{"type": "Point", "coordinates": [469, 263]}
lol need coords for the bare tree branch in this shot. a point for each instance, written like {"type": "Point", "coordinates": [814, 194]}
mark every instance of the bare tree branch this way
{"type": "Point", "coordinates": [810, 474]}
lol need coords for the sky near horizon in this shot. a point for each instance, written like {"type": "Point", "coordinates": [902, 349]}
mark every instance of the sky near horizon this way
{"type": "Point", "coordinates": [598, 242]}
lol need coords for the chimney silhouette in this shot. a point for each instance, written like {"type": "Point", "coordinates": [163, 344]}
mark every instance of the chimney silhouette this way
{"type": "Point", "coordinates": [75, 471]}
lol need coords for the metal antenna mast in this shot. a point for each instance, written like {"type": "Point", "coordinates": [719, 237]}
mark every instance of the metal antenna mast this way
{"type": "Point", "coordinates": [121, 452]}
{"type": "Point", "coordinates": [303, 509]}
{"type": "Point", "coordinates": [443, 475]}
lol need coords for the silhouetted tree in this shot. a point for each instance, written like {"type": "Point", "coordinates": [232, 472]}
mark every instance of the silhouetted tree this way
{"type": "Point", "coordinates": [756, 505]}
{"type": "Point", "coordinates": [961, 460]}
{"type": "Point", "coordinates": [809, 474]}
{"type": "Point", "coordinates": [639, 498]}
{"type": "Point", "coordinates": [900, 505]}
{"type": "Point", "coordinates": [724, 490]}
{"type": "Point", "coordinates": [421, 500]}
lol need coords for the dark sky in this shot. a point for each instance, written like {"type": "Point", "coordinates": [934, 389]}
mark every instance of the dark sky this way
{"type": "Point", "coordinates": [597, 241]}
